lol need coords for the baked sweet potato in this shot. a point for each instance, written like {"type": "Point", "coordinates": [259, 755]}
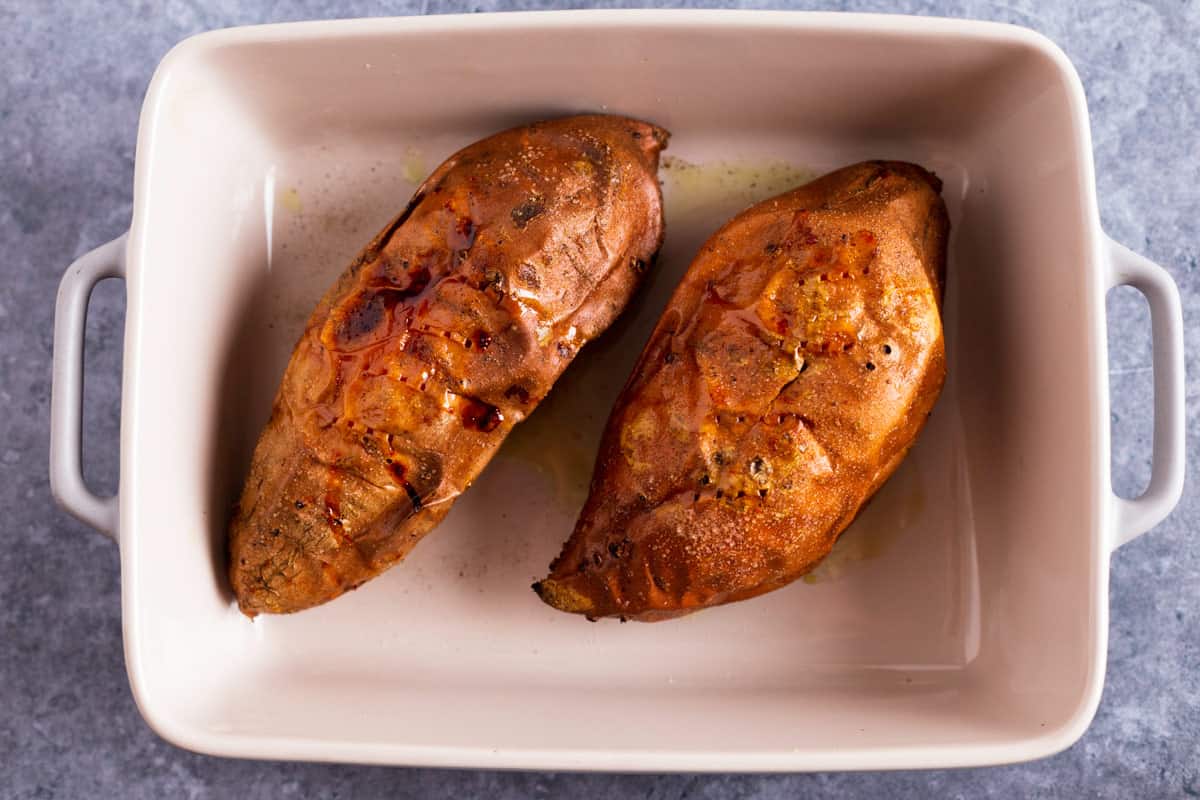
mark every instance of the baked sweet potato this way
{"type": "Point", "coordinates": [444, 333]}
{"type": "Point", "coordinates": [787, 378]}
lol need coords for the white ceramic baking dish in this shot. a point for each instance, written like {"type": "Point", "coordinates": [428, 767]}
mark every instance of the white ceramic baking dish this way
{"type": "Point", "coordinates": [961, 621]}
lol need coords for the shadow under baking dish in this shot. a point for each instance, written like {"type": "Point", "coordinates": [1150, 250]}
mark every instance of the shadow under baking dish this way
{"type": "Point", "coordinates": [959, 611]}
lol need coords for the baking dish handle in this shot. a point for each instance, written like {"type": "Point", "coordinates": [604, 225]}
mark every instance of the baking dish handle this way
{"type": "Point", "coordinates": [66, 392]}
{"type": "Point", "coordinates": [1135, 517]}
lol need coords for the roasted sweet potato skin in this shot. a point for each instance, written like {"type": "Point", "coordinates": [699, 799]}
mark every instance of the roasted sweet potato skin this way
{"type": "Point", "coordinates": [790, 373]}
{"type": "Point", "coordinates": [445, 332]}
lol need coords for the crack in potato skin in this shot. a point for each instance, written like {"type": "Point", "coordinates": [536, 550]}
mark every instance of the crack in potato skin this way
{"type": "Point", "coordinates": [793, 368]}
{"type": "Point", "coordinates": [444, 332]}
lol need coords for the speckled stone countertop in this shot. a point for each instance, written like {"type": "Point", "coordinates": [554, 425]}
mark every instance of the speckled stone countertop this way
{"type": "Point", "coordinates": [74, 73]}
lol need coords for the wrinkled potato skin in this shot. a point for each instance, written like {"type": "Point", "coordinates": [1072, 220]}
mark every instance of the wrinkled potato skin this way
{"type": "Point", "coordinates": [791, 372]}
{"type": "Point", "coordinates": [446, 331]}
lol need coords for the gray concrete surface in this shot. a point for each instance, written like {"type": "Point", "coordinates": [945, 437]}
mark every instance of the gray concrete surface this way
{"type": "Point", "coordinates": [73, 75]}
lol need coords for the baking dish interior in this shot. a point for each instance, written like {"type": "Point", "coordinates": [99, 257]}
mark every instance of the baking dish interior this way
{"type": "Point", "coordinates": [957, 621]}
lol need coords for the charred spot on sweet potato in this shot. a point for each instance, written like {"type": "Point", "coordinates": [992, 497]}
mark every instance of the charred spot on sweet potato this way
{"type": "Point", "coordinates": [363, 316]}
{"type": "Point", "coordinates": [528, 210]}
{"type": "Point", "coordinates": [480, 416]}
{"type": "Point", "coordinates": [518, 393]}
